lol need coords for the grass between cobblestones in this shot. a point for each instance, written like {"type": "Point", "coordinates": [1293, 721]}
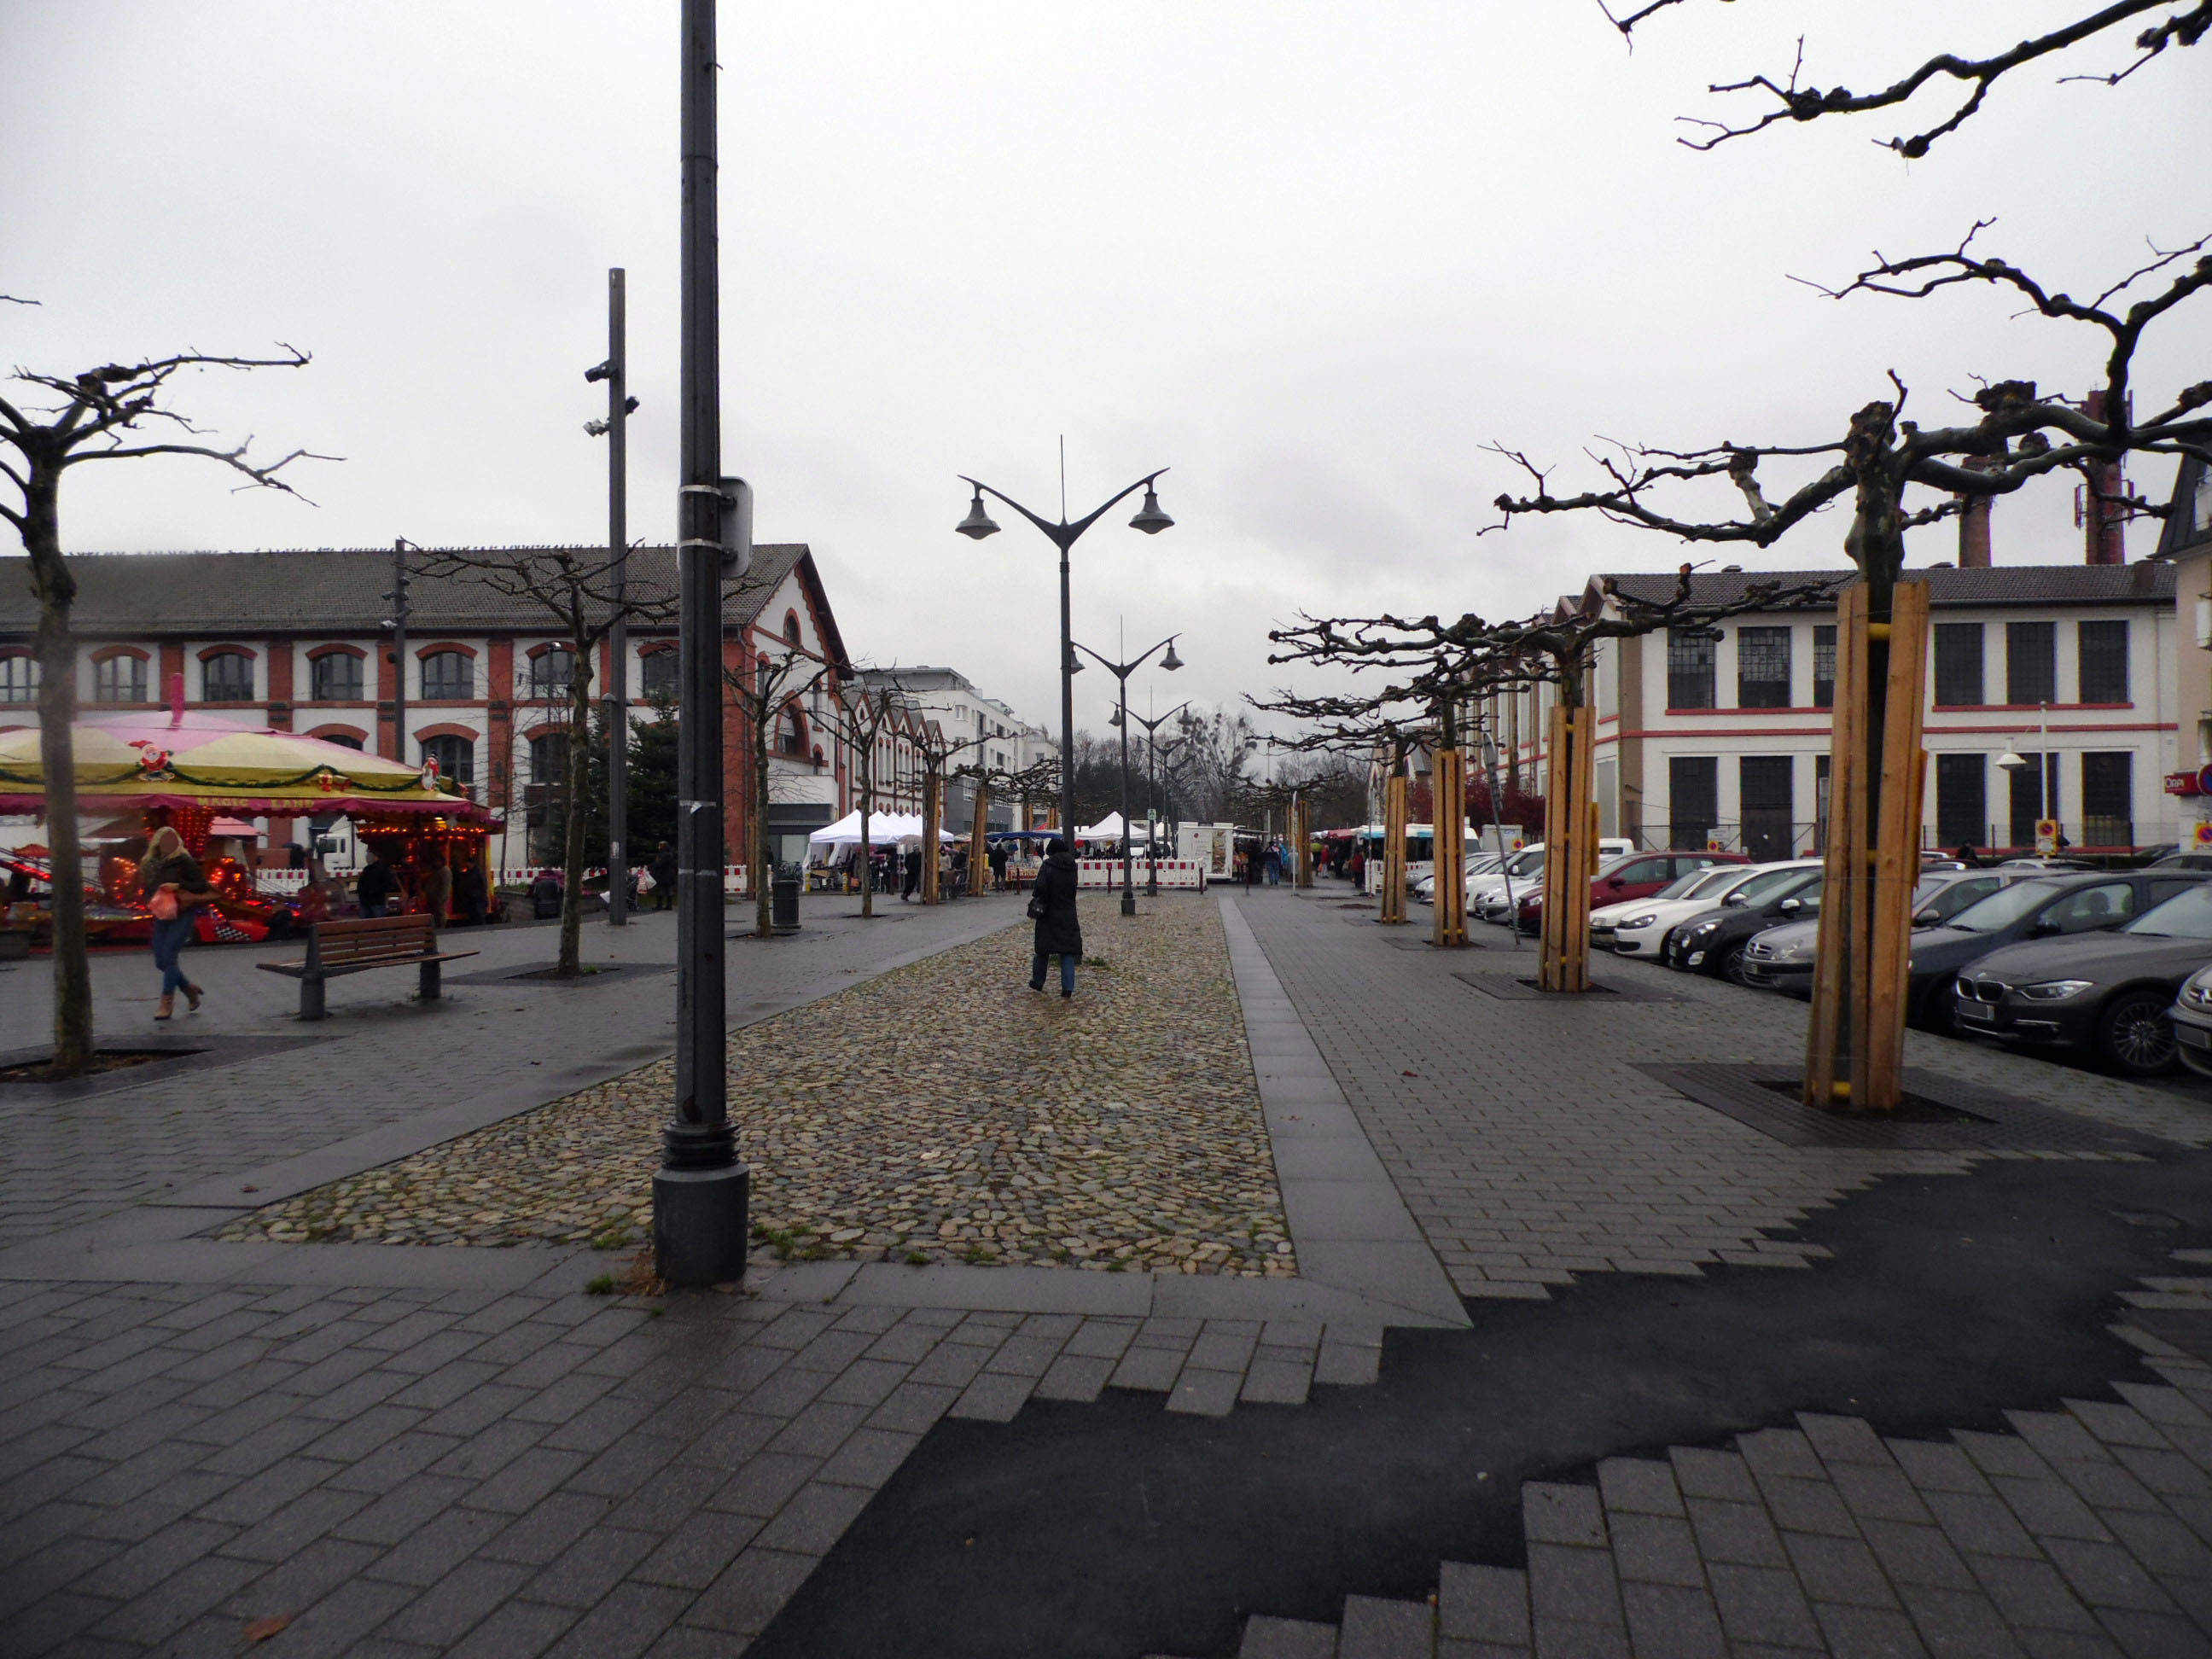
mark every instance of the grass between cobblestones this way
{"type": "Point", "coordinates": [938, 1112]}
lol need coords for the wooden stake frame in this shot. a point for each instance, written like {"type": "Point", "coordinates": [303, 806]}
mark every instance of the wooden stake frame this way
{"type": "Point", "coordinates": [933, 821]}
{"type": "Point", "coordinates": [1394, 848]}
{"type": "Point", "coordinates": [1302, 859]}
{"type": "Point", "coordinates": [1877, 774]}
{"type": "Point", "coordinates": [979, 846]}
{"type": "Point", "coordinates": [1569, 848]}
{"type": "Point", "coordinates": [1449, 785]}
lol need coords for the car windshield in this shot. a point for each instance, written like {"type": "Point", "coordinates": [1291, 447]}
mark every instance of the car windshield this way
{"type": "Point", "coordinates": [2186, 915]}
{"type": "Point", "coordinates": [1684, 886]}
{"type": "Point", "coordinates": [1764, 882]}
{"type": "Point", "coordinates": [1528, 862]}
{"type": "Point", "coordinates": [2000, 910]}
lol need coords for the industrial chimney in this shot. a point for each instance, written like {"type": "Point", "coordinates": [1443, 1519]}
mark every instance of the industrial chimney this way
{"type": "Point", "coordinates": [2098, 510]}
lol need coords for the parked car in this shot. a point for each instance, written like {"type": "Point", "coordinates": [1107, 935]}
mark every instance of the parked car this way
{"type": "Point", "coordinates": [2191, 1019]}
{"type": "Point", "coordinates": [2105, 994]}
{"type": "Point", "coordinates": [1631, 876]}
{"type": "Point", "coordinates": [2038, 907]}
{"type": "Point", "coordinates": [1522, 870]}
{"type": "Point", "coordinates": [1644, 933]}
{"type": "Point", "coordinates": [2178, 860]}
{"type": "Point", "coordinates": [1711, 881]}
{"type": "Point", "coordinates": [1782, 958]}
{"type": "Point", "coordinates": [1478, 864]}
{"type": "Point", "coordinates": [1714, 942]}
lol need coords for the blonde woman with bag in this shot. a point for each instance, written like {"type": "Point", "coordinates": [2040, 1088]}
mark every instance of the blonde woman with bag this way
{"type": "Point", "coordinates": [175, 886]}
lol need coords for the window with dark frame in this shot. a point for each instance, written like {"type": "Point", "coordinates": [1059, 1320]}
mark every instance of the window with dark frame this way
{"type": "Point", "coordinates": [119, 679]}
{"type": "Point", "coordinates": [549, 758]}
{"type": "Point", "coordinates": [2025, 784]}
{"type": "Point", "coordinates": [448, 677]}
{"type": "Point", "coordinates": [552, 673]}
{"type": "Point", "coordinates": [227, 676]}
{"type": "Point", "coordinates": [657, 673]}
{"type": "Point", "coordinates": [343, 739]}
{"type": "Point", "coordinates": [1694, 795]}
{"type": "Point", "coordinates": [18, 679]}
{"type": "Point", "coordinates": [1767, 792]}
{"type": "Point", "coordinates": [2102, 666]}
{"type": "Point", "coordinates": [456, 756]}
{"type": "Point", "coordinates": [336, 678]}
{"type": "Point", "coordinates": [2108, 799]}
{"type": "Point", "coordinates": [1690, 659]}
{"type": "Point", "coordinates": [1824, 664]}
{"type": "Point", "coordinates": [1962, 816]}
{"type": "Point", "coordinates": [1762, 667]}
{"type": "Point", "coordinates": [1957, 664]}
{"type": "Point", "coordinates": [2031, 662]}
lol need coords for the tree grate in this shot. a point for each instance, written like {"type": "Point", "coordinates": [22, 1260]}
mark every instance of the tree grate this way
{"type": "Point", "coordinates": [1940, 1114]}
{"type": "Point", "coordinates": [1529, 988]}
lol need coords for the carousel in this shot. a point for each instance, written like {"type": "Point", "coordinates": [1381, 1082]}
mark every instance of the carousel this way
{"type": "Point", "coordinates": [205, 776]}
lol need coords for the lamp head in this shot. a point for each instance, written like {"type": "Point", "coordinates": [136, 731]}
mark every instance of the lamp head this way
{"type": "Point", "coordinates": [1172, 662]}
{"type": "Point", "coordinates": [977, 524]}
{"type": "Point", "coordinates": [1074, 661]}
{"type": "Point", "coordinates": [598, 371]}
{"type": "Point", "coordinates": [1150, 518]}
{"type": "Point", "coordinates": [1113, 718]}
{"type": "Point", "coordinates": [2011, 761]}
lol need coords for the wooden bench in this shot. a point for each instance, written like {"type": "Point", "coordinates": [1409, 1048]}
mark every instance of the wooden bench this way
{"type": "Point", "coordinates": [355, 947]}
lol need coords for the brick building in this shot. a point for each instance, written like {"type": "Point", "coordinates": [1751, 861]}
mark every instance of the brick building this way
{"type": "Point", "coordinates": [302, 640]}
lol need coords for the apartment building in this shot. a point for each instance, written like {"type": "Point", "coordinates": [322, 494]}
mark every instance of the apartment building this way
{"type": "Point", "coordinates": [978, 730]}
{"type": "Point", "coordinates": [1720, 734]}
{"type": "Point", "coordinates": [2186, 543]}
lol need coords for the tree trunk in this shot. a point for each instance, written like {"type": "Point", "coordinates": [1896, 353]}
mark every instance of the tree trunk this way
{"type": "Point", "coordinates": [757, 859]}
{"type": "Point", "coordinates": [867, 853]}
{"type": "Point", "coordinates": [56, 658]}
{"type": "Point", "coordinates": [979, 846]}
{"type": "Point", "coordinates": [1569, 837]}
{"type": "Point", "coordinates": [1393, 845]}
{"type": "Point", "coordinates": [572, 841]}
{"type": "Point", "coordinates": [932, 819]}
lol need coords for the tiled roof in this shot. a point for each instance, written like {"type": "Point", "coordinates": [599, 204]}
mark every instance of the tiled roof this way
{"type": "Point", "coordinates": [2147, 580]}
{"type": "Point", "coordinates": [324, 591]}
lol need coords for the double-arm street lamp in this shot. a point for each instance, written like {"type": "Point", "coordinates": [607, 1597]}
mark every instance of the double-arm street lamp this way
{"type": "Point", "coordinates": [1151, 786]}
{"type": "Point", "coordinates": [1121, 670]}
{"type": "Point", "coordinates": [1150, 520]}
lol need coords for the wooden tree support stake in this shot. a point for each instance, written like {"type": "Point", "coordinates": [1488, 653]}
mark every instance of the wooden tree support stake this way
{"type": "Point", "coordinates": [1449, 786]}
{"type": "Point", "coordinates": [1393, 847]}
{"type": "Point", "coordinates": [1570, 848]}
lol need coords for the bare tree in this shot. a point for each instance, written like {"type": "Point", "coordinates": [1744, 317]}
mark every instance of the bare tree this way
{"type": "Point", "coordinates": [762, 694]}
{"type": "Point", "coordinates": [103, 414]}
{"type": "Point", "coordinates": [577, 591]}
{"type": "Point", "coordinates": [938, 748]}
{"type": "Point", "coordinates": [1789, 97]}
{"type": "Point", "coordinates": [863, 715]}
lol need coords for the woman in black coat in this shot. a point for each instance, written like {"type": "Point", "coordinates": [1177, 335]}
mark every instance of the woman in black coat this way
{"type": "Point", "coordinates": [1058, 930]}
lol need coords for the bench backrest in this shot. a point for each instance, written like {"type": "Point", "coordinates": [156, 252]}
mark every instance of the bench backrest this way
{"type": "Point", "coordinates": [372, 938]}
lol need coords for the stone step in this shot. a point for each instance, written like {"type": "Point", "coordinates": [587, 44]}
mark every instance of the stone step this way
{"type": "Point", "coordinates": [1374, 1628]}
{"type": "Point", "coordinates": [1287, 1638]}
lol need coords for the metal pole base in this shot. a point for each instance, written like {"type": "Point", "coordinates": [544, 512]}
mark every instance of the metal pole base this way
{"type": "Point", "coordinates": [1129, 904]}
{"type": "Point", "coordinates": [701, 1211]}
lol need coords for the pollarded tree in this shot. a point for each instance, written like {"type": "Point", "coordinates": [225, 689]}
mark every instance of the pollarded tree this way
{"type": "Point", "coordinates": [115, 412]}
{"type": "Point", "coordinates": [867, 712]}
{"type": "Point", "coordinates": [766, 694]}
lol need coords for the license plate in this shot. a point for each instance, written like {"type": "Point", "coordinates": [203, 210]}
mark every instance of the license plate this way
{"type": "Point", "coordinates": [2192, 1036]}
{"type": "Point", "coordinates": [1976, 1010]}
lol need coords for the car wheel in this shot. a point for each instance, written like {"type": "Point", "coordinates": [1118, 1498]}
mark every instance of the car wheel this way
{"type": "Point", "coordinates": [2134, 1036]}
{"type": "Point", "coordinates": [1731, 962]}
{"type": "Point", "coordinates": [1936, 1012]}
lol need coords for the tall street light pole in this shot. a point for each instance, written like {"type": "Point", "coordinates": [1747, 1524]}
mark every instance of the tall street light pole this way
{"type": "Point", "coordinates": [400, 548]}
{"type": "Point", "coordinates": [1121, 670]}
{"type": "Point", "coordinates": [701, 1192]}
{"type": "Point", "coordinates": [1063, 535]}
{"type": "Point", "coordinates": [1151, 785]}
{"type": "Point", "coordinates": [616, 429]}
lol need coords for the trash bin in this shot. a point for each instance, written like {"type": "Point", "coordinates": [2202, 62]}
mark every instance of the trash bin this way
{"type": "Point", "coordinates": [783, 899]}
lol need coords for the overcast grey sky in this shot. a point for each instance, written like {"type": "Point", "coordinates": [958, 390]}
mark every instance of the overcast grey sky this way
{"type": "Point", "coordinates": [1311, 256]}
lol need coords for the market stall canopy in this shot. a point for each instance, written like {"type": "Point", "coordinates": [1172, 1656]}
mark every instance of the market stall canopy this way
{"type": "Point", "coordinates": [883, 829]}
{"type": "Point", "coordinates": [132, 761]}
{"type": "Point", "coordinates": [1110, 828]}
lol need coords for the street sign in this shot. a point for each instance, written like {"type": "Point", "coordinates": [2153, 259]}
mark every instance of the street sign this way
{"type": "Point", "coordinates": [2046, 837]}
{"type": "Point", "coordinates": [2204, 834]}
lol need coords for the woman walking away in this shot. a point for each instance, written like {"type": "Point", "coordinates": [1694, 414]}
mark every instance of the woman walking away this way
{"type": "Point", "coordinates": [1058, 930]}
{"type": "Point", "coordinates": [175, 886]}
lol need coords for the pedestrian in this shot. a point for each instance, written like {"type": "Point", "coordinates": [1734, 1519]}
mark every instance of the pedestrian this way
{"type": "Point", "coordinates": [912, 874]}
{"type": "Point", "coordinates": [1059, 929]}
{"type": "Point", "coordinates": [664, 877]}
{"type": "Point", "coordinates": [1248, 860]}
{"type": "Point", "coordinates": [998, 866]}
{"type": "Point", "coordinates": [376, 887]}
{"type": "Point", "coordinates": [1274, 860]}
{"type": "Point", "coordinates": [437, 887]}
{"type": "Point", "coordinates": [175, 887]}
{"type": "Point", "coordinates": [1966, 855]}
{"type": "Point", "coordinates": [476, 902]}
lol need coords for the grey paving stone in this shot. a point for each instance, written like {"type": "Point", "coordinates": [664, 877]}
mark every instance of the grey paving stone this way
{"type": "Point", "coordinates": [2048, 1507]}
{"type": "Point", "coordinates": [1882, 1492]}
{"type": "Point", "coordinates": [1346, 1366]}
{"type": "Point", "coordinates": [1151, 1370]}
{"type": "Point", "coordinates": [1572, 1584]}
{"type": "Point", "coordinates": [1483, 1604]}
{"type": "Point", "coordinates": [1864, 1633]}
{"type": "Point", "coordinates": [1843, 1440]}
{"type": "Point", "coordinates": [764, 1484]}
{"type": "Point", "coordinates": [814, 1519]}
{"type": "Point", "coordinates": [1556, 1514]}
{"type": "Point", "coordinates": [2031, 1595]}
{"type": "Point", "coordinates": [516, 1630]}
{"type": "Point", "coordinates": [1204, 1393]}
{"type": "Point", "coordinates": [1785, 1452]}
{"type": "Point", "coordinates": [1266, 1638]}
{"type": "Point", "coordinates": [1981, 1525]}
{"type": "Point", "coordinates": [2057, 1436]}
{"type": "Point", "coordinates": [913, 1407]}
{"type": "Point", "coordinates": [1840, 1569]}
{"type": "Point", "coordinates": [1075, 1377]}
{"type": "Point", "coordinates": [2106, 1575]}
{"type": "Point", "coordinates": [1918, 1555]}
{"type": "Point", "coordinates": [1807, 1506]}
{"type": "Point", "coordinates": [697, 1553]}
{"type": "Point", "coordinates": [1763, 1605]}
{"type": "Point", "coordinates": [624, 1626]}
{"type": "Point", "coordinates": [1269, 1382]}
{"type": "Point", "coordinates": [157, 1614]}
{"type": "Point", "coordinates": [1959, 1622]}
{"type": "Point", "coordinates": [581, 1575]}
{"type": "Point", "coordinates": [749, 1592]}
{"type": "Point", "coordinates": [1703, 1473]}
{"type": "Point", "coordinates": [441, 1615]}
{"type": "Point", "coordinates": [1374, 1628]}
{"type": "Point", "coordinates": [1639, 1486]}
{"type": "Point", "coordinates": [2153, 1635]}
{"type": "Point", "coordinates": [546, 1529]}
{"type": "Point", "coordinates": [526, 1481]}
{"type": "Point", "coordinates": [1670, 1621]}
{"type": "Point", "coordinates": [429, 1555]}
{"type": "Point", "coordinates": [334, 1627]}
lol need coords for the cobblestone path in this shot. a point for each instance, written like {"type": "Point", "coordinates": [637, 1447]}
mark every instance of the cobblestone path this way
{"type": "Point", "coordinates": [942, 1112]}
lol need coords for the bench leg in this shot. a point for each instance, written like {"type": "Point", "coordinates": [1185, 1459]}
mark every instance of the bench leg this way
{"type": "Point", "coordinates": [311, 997]}
{"type": "Point", "coordinates": [431, 987]}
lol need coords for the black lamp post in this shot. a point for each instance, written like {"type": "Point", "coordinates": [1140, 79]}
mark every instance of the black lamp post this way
{"type": "Point", "coordinates": [1121, 670]}
{"type": "Point", "coordinates": [615, 429]}
{"type": "Point", "coordinates": [1151, 786]}
{"type": "Point", "coordinates": [977, 524]}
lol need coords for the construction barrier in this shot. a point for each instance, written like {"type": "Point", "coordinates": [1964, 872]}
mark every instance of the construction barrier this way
{"type": "Point", "coordinates": [1188, 874]}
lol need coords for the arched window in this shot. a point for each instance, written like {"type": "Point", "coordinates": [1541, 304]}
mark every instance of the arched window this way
{"type": "Point", "coordinates": [790, 629]}
{"type": "Point", "coordinates": [119, 679]}
{"type": "Point", "coordinates": [657, 672]}
{"type": "Point", "coordinates": [455, 755]}
{"type": "Point", "coordinates": [335, 677]}
{"type": "Point", "coordinates": [343, 739]}
{"type": "Point", "coordinates": [448, 676]}
{"type": "Point", "coordinates": [551, 672]}
{"type": "Point", "coordinates": [18, 679]}
{"type": "Point", "coordinates": [549, 757]}
{"type": "Point", "coordinates": [227, 676]}
{"type": "Point", "coordinates": [791, 731]}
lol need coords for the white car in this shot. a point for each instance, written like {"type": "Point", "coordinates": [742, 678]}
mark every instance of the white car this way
{"type": "Point", "coordinates": [1640, 933]}
{"type": "Point", "coordinates": [1715, 880]}
{"type": "Point", "coordinates": [1486, 897]}
{"type": "Point", "coordinates": [1478, 864]}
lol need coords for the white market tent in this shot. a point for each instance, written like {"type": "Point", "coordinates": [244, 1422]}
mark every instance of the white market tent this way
{"type": "Point", "coordinates": [1109, 828]}
{"type": "Point", "coordinates": [884, 829]}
